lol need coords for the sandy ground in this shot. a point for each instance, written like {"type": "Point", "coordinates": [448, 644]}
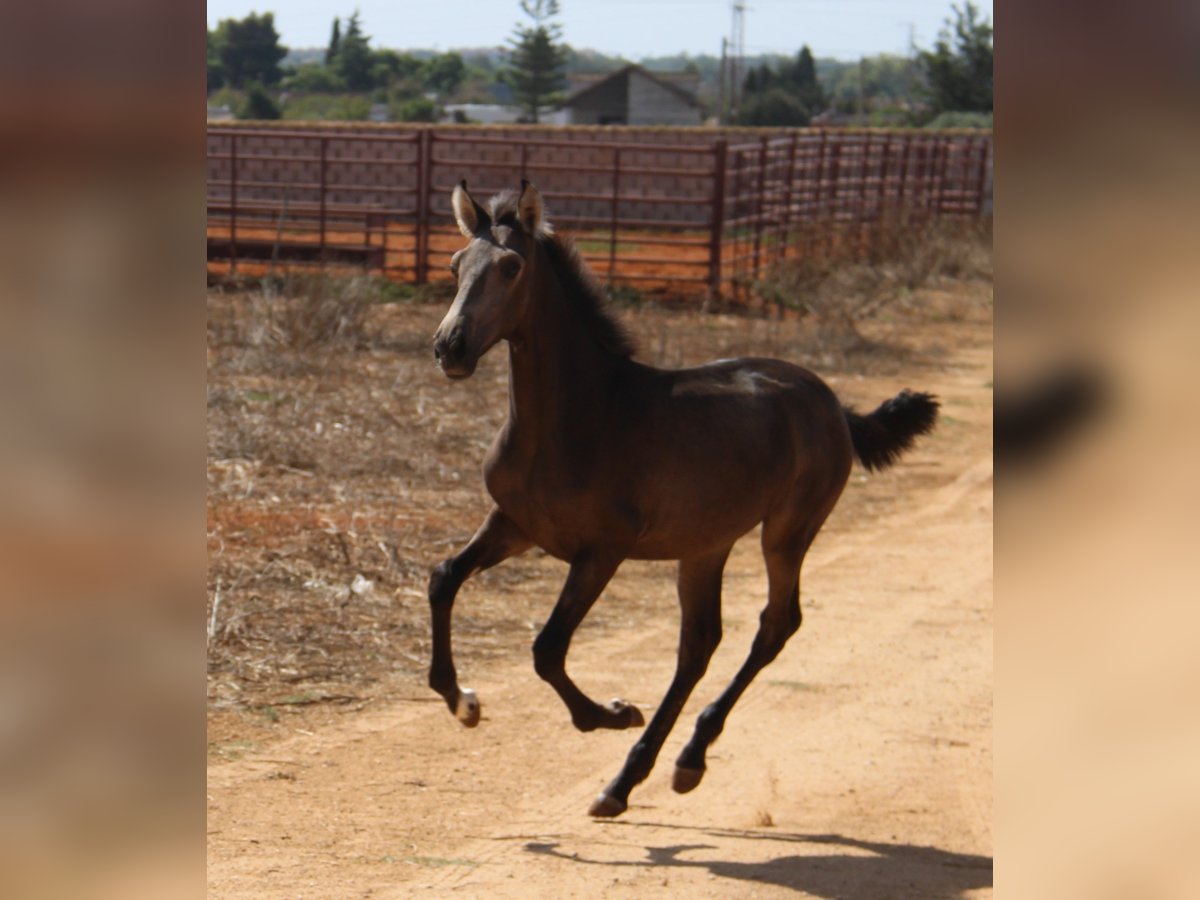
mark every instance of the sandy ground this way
{"type": "Point", "coordinates": [859, 764]}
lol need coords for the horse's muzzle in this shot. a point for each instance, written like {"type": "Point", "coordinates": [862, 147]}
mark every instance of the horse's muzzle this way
{"type": "Point", "coordinates": [450, 351]}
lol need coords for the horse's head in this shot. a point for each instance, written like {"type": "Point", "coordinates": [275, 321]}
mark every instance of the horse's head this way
{"type": "Point", "coordinates": [490, 272]}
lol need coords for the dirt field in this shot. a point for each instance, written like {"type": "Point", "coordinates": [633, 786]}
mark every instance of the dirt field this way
{"type": "Point", "coordinates": [859, 764]}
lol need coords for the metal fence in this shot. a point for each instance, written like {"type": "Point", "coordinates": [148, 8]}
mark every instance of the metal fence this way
{"type": "Point", "coordinates": [685, 210]}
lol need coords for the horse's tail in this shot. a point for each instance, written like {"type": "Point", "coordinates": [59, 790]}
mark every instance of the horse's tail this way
{"type": "Point", "coordinates": [880, 437]}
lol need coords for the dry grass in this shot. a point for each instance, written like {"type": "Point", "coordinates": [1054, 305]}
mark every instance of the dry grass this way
{"type": "Point", "coordinates": [838, 295]}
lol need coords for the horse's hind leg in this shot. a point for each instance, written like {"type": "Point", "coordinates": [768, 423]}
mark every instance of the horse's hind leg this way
{"type": "Point", "coordinates": [699, 635]}
{"type": "Point", "coordinates": [780, 619]}
{"type": "Point", "coordinates": [495, 541]}
{"type": "Point", "coordinates": [590, 572]}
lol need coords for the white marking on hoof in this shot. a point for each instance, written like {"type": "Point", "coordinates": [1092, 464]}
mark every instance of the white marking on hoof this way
{"type": "Point", "coordinates": [606, 807]}
{"type": "Point", "coordinates": [617, 705]}
{"type": "Point", "coordinates": [467, 708]}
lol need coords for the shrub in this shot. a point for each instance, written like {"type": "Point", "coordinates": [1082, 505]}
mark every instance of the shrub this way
{"type": "Point", "coordinates": [257, 104]}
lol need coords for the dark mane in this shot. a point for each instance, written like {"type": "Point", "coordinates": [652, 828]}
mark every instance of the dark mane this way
{"type": "Point", "coordinates": [580, 288]}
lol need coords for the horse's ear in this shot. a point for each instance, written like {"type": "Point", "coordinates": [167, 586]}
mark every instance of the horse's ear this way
{"type": "Point", "coordinates": [529, 209]}
{"type": "Point", "coordinates": [469, 215]}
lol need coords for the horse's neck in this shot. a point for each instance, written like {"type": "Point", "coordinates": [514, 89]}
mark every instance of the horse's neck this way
{"type": "Point", "coordinates": [558, 373]}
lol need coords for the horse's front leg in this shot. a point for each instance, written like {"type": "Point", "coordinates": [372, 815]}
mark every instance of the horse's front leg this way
{"type": "Point", "coordinates": [495, 541]}
{"type": "Point", "coordinates": [590, 572]}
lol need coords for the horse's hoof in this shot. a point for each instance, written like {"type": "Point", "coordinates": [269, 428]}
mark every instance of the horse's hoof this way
{"type": "Point", "coordinates": [618, 707]}
{"type": "Point", "coordinates": [606, 807]}
{"type": "Point", "coordinates": [467, 709]}
{"type": "Point", "coordinates": [685, 780]}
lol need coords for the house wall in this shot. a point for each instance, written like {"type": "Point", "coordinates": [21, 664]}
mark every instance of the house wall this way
{"type": "Point", "coordinates": [652, 104]}
{"type": "Point", "coordinates": [604, 105]}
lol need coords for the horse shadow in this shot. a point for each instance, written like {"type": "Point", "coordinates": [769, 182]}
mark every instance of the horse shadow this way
{"type": "Point", "coordinates": [885, 872]}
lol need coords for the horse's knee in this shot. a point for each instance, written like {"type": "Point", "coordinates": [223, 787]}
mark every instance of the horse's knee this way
{"type": "Point", "coordinates": [549, 657]}
{"type": "Point", "coordinates": [442, 584]}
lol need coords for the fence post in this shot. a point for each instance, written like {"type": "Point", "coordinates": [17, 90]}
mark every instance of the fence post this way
{"type": "Point", "coordinates": [785, 224]}
{"type": "Point", "coordinates": [759, 211]}
{"type": "Point", "coordinates": [424, 195]}
{"type": "Point", "coordinates": [981, 188]}
{"type": "Point", "coordinates": [717, 226]}
{"type": "Point", "coordinates": [861, 216]}
{"type": "Point", "coordinates": [835, 151]}
{"type": "Point", "coordinates": [321, 201]}
{"type": "Point", "coordinates": [232, 202]}
{"type": "Point", "coordinates": [814, 225]}
{"type": "Point", "coordinates": [612, 234]}
{"type": "Point", "coordinates": [941, 171]}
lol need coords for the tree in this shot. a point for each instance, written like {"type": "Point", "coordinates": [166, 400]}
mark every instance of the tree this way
{"type": "Point", "coordinates": [418, 109]}
{"type": "Point", "coordinates": [313, 78]}
{"type": "Point", "coordinates": [960, 76]}
{"type": "Point", "coordinates": [258, 104]}
{"type": "Point", "coordinates": [354, 62]}
{"type": "Point", "coordinates": [249, 50]}
{"type": "Point", "coordinates": [537, 61]}
{"type": "Point", "coordinates": [775, 106]}
{"type": "Point", "coordinates": [335, 43]}
{"type": "Point", "coordinates": [444, 73]}
{"type": "Point", "coordinates": [786, 96]}
{"type": "Point", "coordinates": [802, 75]}
{"type": "Point", "coordinates": [216, 72]}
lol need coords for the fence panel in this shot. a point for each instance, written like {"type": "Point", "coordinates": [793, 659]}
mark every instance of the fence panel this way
{"type": "Point", "coordinates": [837, 194]}
{"type": "Point", "coordinates": [278, 198]}
{"type": "Point", "coordinates": [679, 210]}
{"type": "Point", "coordinates": [640, 213]}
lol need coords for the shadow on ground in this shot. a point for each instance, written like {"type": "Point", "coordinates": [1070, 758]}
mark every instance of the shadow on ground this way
{"type": "Point", "coordinates": [850, 870]}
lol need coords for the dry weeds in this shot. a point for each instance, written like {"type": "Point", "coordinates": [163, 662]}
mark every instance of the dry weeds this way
{"type": "Point", "coordinates": [836, 295]}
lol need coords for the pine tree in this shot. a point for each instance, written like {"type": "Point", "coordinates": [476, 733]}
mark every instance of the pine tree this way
{"type": "Point", "coordinates": [960, 77]}
{"type": "Point", "coordinates": [354, 60]}
{"type": "Point", "coordinates": [804, 78]}
{"type": "Point", "coordinates": [537, 61]}
{"type": "Point", "coordinates": [335, 43]}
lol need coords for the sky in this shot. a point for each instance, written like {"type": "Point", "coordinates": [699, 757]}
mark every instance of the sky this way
{"type": "Point", "coordinates": [634, 29]}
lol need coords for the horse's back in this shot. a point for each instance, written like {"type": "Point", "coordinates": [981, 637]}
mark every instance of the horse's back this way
{"type": "Point", "coordinates": [721, 445]}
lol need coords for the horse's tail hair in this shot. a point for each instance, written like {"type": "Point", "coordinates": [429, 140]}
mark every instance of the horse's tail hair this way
{"type": "Point", "coordinates": [880, 437]}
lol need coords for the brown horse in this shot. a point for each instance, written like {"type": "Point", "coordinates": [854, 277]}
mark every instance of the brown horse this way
{"type": "Point", "coordinates": [604, 459]}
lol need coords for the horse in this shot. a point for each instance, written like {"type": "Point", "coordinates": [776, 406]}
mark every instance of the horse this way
{"type": "Point", "coordinates": [603, 458]}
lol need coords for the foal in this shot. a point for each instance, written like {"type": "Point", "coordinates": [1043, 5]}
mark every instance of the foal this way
{"type": "Point", "coordinates": [604, 459]}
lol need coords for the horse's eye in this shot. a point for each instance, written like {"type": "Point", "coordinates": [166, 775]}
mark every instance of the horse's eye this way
{"type": "Point", "coordinates": [510, 266]}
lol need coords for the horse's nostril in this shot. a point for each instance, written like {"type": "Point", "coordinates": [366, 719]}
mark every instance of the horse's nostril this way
{"type": "Point", "coordinates": [457, 346]}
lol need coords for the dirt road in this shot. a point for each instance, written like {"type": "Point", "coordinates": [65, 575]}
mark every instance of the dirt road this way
{"type": "Point", "coordinates": [859, 764]}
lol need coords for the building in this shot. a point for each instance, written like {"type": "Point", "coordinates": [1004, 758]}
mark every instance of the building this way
{"type": "Point", "coordinates": [633, 96]}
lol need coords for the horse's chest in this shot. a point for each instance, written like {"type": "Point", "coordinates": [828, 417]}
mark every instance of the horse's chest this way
{"type": "Point", "coordinates": [546, 508]}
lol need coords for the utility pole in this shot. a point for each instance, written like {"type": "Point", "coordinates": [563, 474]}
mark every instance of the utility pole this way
{"type": "Point", "coordinates": [738, 51]}
{"type": "Point", "coordinates": [910, 80]}
{"type": "Point", "coordinates": [722, 117]}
